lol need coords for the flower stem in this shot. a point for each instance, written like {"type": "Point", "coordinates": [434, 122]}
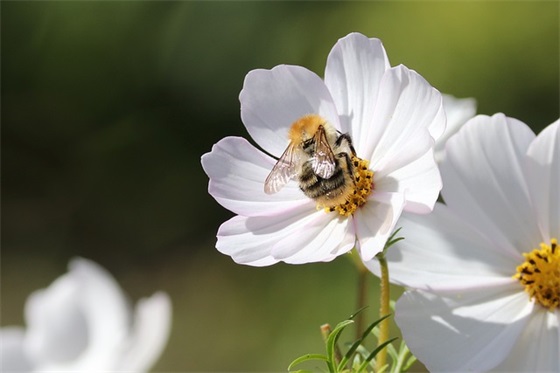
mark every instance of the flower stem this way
{"type": "Point", "coordinates": [384, 309]}
{"type": "Point", "coordinates": [362, 300]}
{"type": "Point", "coordinates": [362, 293]}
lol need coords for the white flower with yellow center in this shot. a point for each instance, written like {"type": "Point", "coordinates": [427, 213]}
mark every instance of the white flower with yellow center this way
{"type": "Point", "coordinates": [486, 265]}
{"type": "Point", "coordinates": [351, 151]}
{"type": "Point", "coordinates": [83, 323]}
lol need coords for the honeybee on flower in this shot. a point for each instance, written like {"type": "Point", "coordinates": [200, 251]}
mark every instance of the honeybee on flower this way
{"type": "Point", "coordinates": [325, 165]}
{"type": "Point", "coordinates": [346, 155]}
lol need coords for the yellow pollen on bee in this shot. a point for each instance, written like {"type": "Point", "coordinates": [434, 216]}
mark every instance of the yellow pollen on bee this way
{"type": "Point", "coordinates": [540, 275]}
{"type": "Point", "coordinates": [305, 127]}
{"type": "Point", "coordinates": [363, 185]}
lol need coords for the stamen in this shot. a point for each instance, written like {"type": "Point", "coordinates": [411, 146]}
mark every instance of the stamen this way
{"type": "Point", "coordinates": [363, 185]}
{"type": "Point", "coordinates": [540, 275]}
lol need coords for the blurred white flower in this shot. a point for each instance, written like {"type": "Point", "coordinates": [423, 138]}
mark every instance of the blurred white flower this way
{"type": "Point", "coordinates": [458, 111]}
{"type": "Point", "coordinates": [82, 323]}
{"type": "Point", "coordinates": [393, 117]}
{"type": "Point", "coordinates": [486, 266]}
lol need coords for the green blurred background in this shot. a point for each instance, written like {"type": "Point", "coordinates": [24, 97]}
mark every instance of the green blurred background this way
{"type": "Point", "coordinates": [108, 106]}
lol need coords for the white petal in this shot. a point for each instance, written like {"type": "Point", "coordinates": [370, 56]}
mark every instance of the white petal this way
{"type": "Point", "coordinates": [353, 74]}
{"type": "Point", "coordinates": [12, 353]}
{"type": "Point", "coordinates": [543, 177]}
{"type": "Point", "coordinates": [442, 253]}
{"type": "Point", "coordinates": [408, 117]}
{"type": "Point", "coordinates": [237, 171]}
{"type": "Point", "coordinates": [323, 238]}
{"type": "Point", "coordinates": [57, 330]}
{"type": "Point", "coordinates": [538, 347]}
{"type": "Point", "coordinates": [457, 111]}
{"type": "Point", "coordinates": [150, 332]}
{"type": "Point", "coordinates": [79, 322]}
{"type": "Point", "coordinates": [298, 237]}
{"type": "Point", "coordinates": [472, 333]}
{"type": "Point", "coordinates": [484, 181]}
{"type": "Point", "coordinates": [271, 100]}
{"type": "Point", "coordinates": [375, 221]}
{"type": "Point", "coordinates": [236, 239]}
{"type": "Point", "coordinates": [419, 181]}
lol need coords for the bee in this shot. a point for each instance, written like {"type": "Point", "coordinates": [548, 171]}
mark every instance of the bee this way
{"type": "Point", "coordinates": [320, 158]}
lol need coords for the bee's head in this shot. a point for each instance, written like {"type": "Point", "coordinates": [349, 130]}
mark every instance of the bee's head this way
{"type": "Point", "coordinates": [305, 128]}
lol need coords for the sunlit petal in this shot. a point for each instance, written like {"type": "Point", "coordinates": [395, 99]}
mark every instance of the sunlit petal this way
{"type": "Point", "coordinates": [441, 253]}
{"type": "Point", "coordinates": [457, 111]}
{"type": "Point", "coordinates": [353, 74]}
{"type": "Point", "coordinates": [237, 172]}
{"type": "Point", "coordinates": [484, 182]}
{"type": "Point", "coordinates": [299, 236]}
{"type": "Point", "coordinates": [537, 348]}
{"type": "Point", "coordinates": [322, 239]}
{"type": "Point", "coordinates": [408, 118]}
{"type": "Point", "coordinates": [419, 181]}
{"type": "Point", "coordinates": [271, 100]}
{"type": "Point", "coordinates": [473, 332]}
{"type": "Point", "coordinates": [375, 222]}
{"type": "Point", "coordinates": [543, 177]}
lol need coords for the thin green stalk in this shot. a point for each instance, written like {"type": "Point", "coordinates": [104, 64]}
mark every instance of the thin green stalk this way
{"type": "Point", "coordinates": [362, 300]}
{"type": "Point", "coordinates": [363, 274]}
{"type": "Point", "coordinates": [384, 309]}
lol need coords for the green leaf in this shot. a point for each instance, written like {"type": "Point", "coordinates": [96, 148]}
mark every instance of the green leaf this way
{"type": "Point", "coordinates": [392, 240]}
{"type": "Point", "coordinates": [383, 368]}
{"type": "Point", "coordinates": [358, 342]}
{"type": "Point", "coordinates": [356, 363]}
{"type": "Point", "coordinates": [392, 352]}
{"type": "Point", "coordinates": [307, 357]}
{"type": "Point", "coordinates": [373, 353]}
{"type": "Point", "coordinates": [362, 352]}
{"type": "Point", "coordinates": [392, 236]}
{"type": "Point", "coordinates": [331, 342]}
{"type": "Point", "coordinates": [402, 364]}
{"type": "Point", "coordinates": [409, 363]}
{"type": "Point", "coordinates": [398, 361]}
{"type": "Point", "coordinates": [357, 312]}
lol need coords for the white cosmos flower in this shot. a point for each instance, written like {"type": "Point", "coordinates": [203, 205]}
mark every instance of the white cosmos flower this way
{"type": "Point", "coordinates": [82, 323]}
{"type": "Point", "coordinates": [392, 115]}
{"type": "Point", "coordinates": [469, 310]}
{"type": "Point", "coordinates": [457, 111]}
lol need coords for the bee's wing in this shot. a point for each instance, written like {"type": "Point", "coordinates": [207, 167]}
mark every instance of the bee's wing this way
{"type": "Point", "coordinates": [282, 172]}
{"type": "Point", "coordinates": [323, 161]}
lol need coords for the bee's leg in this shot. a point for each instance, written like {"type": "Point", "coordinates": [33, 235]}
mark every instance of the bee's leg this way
{"type": "Point", "coordinates": [344, 157]}
{"type": "Point", "coordinates": [345, 137]}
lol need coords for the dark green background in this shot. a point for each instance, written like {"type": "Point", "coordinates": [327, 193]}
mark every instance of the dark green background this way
{"type": "Point", "coordinates": [108, 106]}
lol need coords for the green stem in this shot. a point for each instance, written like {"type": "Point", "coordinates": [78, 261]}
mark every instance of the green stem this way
{"type": "Point", "coordinates": [362, 292]}
{"type": "Point", "coordinates": [362, 300]}
{"type": "Point", "coordinates": [384, 309]}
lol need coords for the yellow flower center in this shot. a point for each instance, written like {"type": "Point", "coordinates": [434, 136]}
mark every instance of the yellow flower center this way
{"type": "Point", "coordinates": [363, 185]}
{"type": "Point", "coordinates": [540, 275]}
